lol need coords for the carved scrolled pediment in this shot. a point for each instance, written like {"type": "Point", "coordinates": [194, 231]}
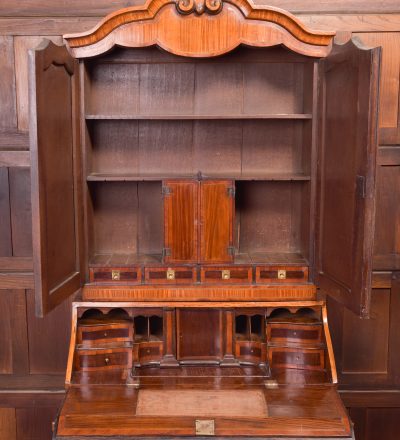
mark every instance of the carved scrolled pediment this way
{"type": "Point", "coordinates": [200, 28]}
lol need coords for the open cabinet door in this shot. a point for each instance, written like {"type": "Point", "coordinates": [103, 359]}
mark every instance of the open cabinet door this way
{"type": "Point", "coordinates": [347, 162]}
{"type": "Point", "coordinates": [55, 171]}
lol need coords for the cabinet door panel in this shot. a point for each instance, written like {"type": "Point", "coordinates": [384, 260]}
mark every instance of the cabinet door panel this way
{"type": "Point", "coordinates": [199, 334]}
{"type": "Point", "coordinates": [217, 201]}
{"type": "Point", "coordinates": [55, 171]}
{"type": "Point", "coordinates": [180, 217]}
{"type": "Point", "coordinates": [347, 174]}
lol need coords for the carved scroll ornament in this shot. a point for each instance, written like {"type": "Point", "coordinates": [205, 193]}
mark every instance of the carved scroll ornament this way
{"type": "Point", "coordinates": [199, 6]}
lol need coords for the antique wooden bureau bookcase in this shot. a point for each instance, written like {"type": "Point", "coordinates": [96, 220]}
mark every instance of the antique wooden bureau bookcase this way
{"type": "Point", "coordinates": [199, 168]}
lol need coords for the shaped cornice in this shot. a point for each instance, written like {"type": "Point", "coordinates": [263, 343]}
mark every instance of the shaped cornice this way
{"type": "Point", "coordinates": [200, 28]}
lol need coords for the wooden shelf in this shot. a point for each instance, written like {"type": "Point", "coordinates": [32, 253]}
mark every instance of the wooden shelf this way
{"type": "Point", "coordinates": [199, 117]}
{"type": "Point", "coordinates": [132, 259]}
{"type": "Point", "coordinates": [104, 177]}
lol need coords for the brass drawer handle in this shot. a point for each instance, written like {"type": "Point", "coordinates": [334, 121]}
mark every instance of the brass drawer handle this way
{"type": "Point", "coordinates": [282, 274]}
{"type": "Point", "coordinates": [116, 275]}
{"type": "Point", "coordinates": [170, 274]}
{"type": "Point", "coordinates": [226, 274]}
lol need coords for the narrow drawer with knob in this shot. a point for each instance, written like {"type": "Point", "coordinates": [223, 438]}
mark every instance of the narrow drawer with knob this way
{"type": "Point", "coordinates": [170, 275]}
{"type": "Point", "coordinates": [295, 334]}
{"type": "Point", "coordinates": [252, 352]}
{"type": "Point", "coordinates": [146, 353]}
{"type": "Point", "coordinates": [281, 274]}
{"type": "Point", "coordinates": [116, 275]}
{"type": "Point", "coordinates": [93, 360]}
{"type": "Point", "coordinates": [92, 335]}
{"type": "Point", "coordinates": [226, 275]}
{"type": "Point", "coordinates": [297, 358]}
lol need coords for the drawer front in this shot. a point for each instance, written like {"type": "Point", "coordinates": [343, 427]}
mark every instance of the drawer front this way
{"type": "Point", "coordinates": [281, 274]}
{"type": "Point", "coordinates": [170, 275]}
{"type": "Point", "coordinates": [281, 333]}
{"type": "Point", "coordinates": [91, 360]}
{"type": "Point", "coordinates": [116, 275]}
{"type": "Point", "coordinates": [99, 334]}
{"type": "Point", "coordinates": [250, 351]}
{"type": "Point", "coordinates": [148, 352]}
{"type": "Point", "coordinates": [302, 359]}
{"type": "Point", "coordinates": [226, 274]}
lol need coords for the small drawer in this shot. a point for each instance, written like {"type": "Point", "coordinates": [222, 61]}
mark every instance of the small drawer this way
{"type": "Point", "coordinates": [115, 275]}
{"type": "Point", "coordinates": [92, 360]}
{"type": "Point", "coordinates": [282, 333]}
{"type": "Point", "coordinates": [148, 352]}
{"type": "Point", "coordinates": [170, 275]}
{"type": "Point", "coordinates": [301, 359]}
{"type": "Point", "coordinates": [281, 274]}
{"type": "Point", "coordinates": [251, 351]}
{"type": "Point", "coordinates": [91, 335]}
{"type": "Point", "coordinates": [226, 274]}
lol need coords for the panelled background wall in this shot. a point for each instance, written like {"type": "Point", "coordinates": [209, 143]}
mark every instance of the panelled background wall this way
{"type": "Point", "coordinates": [33, 352]}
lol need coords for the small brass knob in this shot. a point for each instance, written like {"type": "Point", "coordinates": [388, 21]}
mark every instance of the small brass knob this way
{"type": "Point", "coordinates": [107, 360]}
{"type": "Point", "coordinates": [116, 275]}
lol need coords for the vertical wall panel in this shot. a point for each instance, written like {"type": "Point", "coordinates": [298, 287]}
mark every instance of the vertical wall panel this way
{"type": "Point", "coordinates": [366, 341]}
{"type": "Point", "coordinates": [13, 334]}
{"type": "Point", "coordinates": [8, 117]}
{"type": "Point", "coordinates": [21, 215]}
{"type": "Point", "coordinates": [48, 338]}
{"type": "Point", "coordinates": [8, 428]}
{"type": "Point", "coordinates": [5, 223]}
{"type": "Point", "coordinates": [389, 93]}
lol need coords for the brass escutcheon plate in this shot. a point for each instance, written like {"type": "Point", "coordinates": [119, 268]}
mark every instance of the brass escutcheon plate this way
{"type": "Point", "coordinates": [226, 274]}
{"type": "Point", "coordinates": [282, 274]}
{"type": "Point", "coordinates": [170, 274]}
{"type": "Point", "coordinates": [116, 275]}
{"type": "Point", "coordinates": [205, 427]}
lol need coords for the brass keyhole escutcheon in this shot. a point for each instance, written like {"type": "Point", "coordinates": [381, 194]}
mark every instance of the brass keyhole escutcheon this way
{"type": "Point", "coordinates": [116, 275]}
{"type": "Point", "coordinates": [226, 274]}
{"type": "Point", "coordinates": [170, 274]}
{"type": "Point", "coordinates": [282, 274]}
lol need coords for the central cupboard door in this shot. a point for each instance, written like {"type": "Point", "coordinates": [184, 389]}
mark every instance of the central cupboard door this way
{"type": "Point", "coordinates": [199, 335]}
{"type": "Point", "coordinates": [198, 221]}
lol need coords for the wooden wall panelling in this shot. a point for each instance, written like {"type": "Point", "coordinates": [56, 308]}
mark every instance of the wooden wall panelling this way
{"type": "Point", "coordinates": [390, 78]}
{"type": "Point", "coordinates": [8, 115]}
{"type": "Point", "coordinates": [48, 338]}
{"type": "Point", "coordinates": [21, 47]}
{"type": "Point", "coordinates": [387, 227]}
{"type": "Point", "coordinates": [8, 425]}
{"type": "Point", "coordinates": [394, 352]}
{"type": "Point", "coordinates": [357, 416]}
{"type": "Point", "coordinates": [99, 8]}
{"type": "Point", "coordinates": [46, 25]}
{"type": "Point", "coordinates": [5, 224]}
{"type": "Point", "coordinates": [365, 350]}
{"type": "Point", "coordinates": [382, 423]}
{"type": "Point", "coordinates": [366, 342]}
{"type": "Point", "coordinates": [35, 423]}
{"type": "Point", "coordinates": [20, 203]}
{"type": "Point", "coordinates": [13, 333]}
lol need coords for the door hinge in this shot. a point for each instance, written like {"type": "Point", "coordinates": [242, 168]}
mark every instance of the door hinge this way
{"type": "Point", "coordinates": [166, 190]}
{"type": "Point", "coordinates": [231, 250]}
{"type": "Point", "coordinates": [361, 187]}
{"type": "Point", "coordinates": [231, 191]}
{"type": "Point", "coordinates": [166, 252]}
